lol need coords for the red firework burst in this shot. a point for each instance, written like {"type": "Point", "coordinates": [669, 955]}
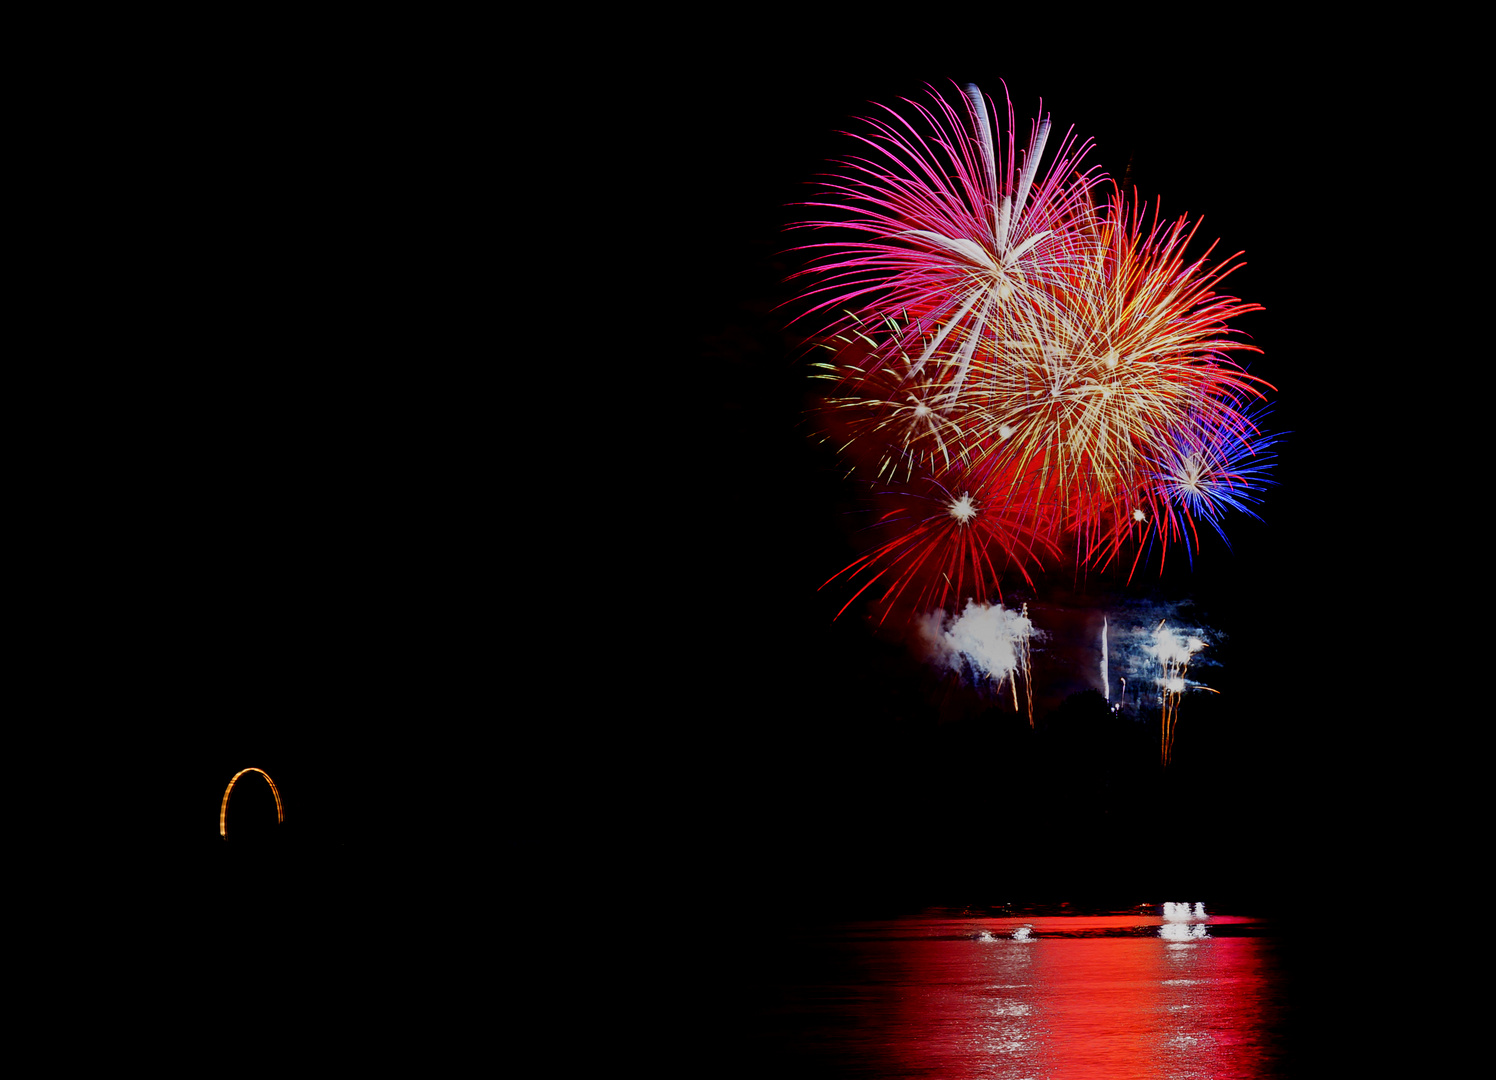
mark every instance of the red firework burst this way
{"type": "Point", "coordinates": [942, 540]}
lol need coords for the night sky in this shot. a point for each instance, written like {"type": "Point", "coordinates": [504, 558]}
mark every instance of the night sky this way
{"type": "Point", "coordinates": [559, 629]}
{"type": "Point", "coordinates": [832, 766]}
{"type": "Point", "coordinates": [268, 538]}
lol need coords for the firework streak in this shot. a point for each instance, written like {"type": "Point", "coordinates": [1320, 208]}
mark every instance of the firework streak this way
{"type": "Point", "coordinates": [1173, 655]}
{"type": "Point", "coordinates": [1022, 362]}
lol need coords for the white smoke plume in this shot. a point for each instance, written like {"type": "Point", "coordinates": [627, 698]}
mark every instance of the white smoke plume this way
{"type": "Point", "coordinates": [987, 643]}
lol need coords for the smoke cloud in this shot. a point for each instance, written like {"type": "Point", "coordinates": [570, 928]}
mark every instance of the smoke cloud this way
{"type": "Point", "coordinates": [1150, 643]}
{"type": "Point", "coordinates": [986, 642]}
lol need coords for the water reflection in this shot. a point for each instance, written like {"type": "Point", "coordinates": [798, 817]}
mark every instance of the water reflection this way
{"type": "Point", "coordinates": [1146, 994]}
{"type": "Point", "coordinates": [1176, 932]}
{"type": "Point", "coordinates": [1184, 913]}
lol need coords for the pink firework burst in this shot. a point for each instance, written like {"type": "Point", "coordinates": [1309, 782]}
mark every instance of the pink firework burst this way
{"type": "Point", "coordinates": [958, 235]}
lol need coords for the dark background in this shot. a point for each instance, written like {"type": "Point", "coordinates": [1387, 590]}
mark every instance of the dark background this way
{"type": "Point", "coordinates": [309, 500]}
{"type": "Point", "coordinates": [261, 539]}
{"type": "Point", "coordinates": [803, 768]}
{"type": "Point", "coordinates": [819, 745]}
{"type": "Point", "coordinates": [476, 504]}
{"type": "Point", "coordinates": [798, 770]}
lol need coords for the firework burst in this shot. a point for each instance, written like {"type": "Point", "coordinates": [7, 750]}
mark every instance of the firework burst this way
{"type": "Point", "coordinates": [1020, 364]}
{"type": "Point", "coordinates": [957, 234]}
{"type": "Point", "coordinates": [940, 540]}
{"type": "Point", "coordinates": [1206, 472]}
{"type": "Point", "coordinates": [897, 417]}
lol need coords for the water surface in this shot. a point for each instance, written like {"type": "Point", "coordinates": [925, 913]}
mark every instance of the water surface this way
{"type": "Point", "coordinates": [1154, 992]}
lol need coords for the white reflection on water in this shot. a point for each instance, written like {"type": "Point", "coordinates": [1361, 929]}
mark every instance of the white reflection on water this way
{"type": "Point", "coordinates": [1180, 932]}
{"type": "Point", "coordinates": [1023, 933]}
{"type": "Point", "coordinates": [1183, 912]}
{"type": "Point", "coordinates": [1176, 915]}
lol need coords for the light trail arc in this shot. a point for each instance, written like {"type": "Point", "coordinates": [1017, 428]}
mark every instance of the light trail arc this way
{"type": "Point", "coordinates": [223, 810]}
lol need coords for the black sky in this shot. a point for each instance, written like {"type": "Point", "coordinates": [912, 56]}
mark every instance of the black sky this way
{"type": "Point", "coordinates": [795, 724]}
{"type": "Point", "coordinates": [550, 620]}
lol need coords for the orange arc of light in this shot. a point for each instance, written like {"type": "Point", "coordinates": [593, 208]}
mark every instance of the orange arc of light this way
{"type": "Point", "coordinates": [223, 810]}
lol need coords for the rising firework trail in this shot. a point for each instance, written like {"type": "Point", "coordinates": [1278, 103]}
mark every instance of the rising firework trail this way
{"type": "Point", "coordinates": [1106, 683]}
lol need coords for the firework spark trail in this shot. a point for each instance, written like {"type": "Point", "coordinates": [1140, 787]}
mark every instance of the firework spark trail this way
{"type": "Point", "coordinates": [990, 643]}
{"type": "Point", "coordinates": [1158, 644]}
{"type": "Point", "coordinates": [1033, 362]}
{"type": "Point", "coordinates": [1173, 653]}
{"type": "Point", "coordinates": [1106, 683]}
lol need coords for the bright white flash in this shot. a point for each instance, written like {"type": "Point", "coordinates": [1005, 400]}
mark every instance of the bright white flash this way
{"type": "Point", "coordinates": [1189, 473]}
{"type": "Point", "coordinates": [1183, 913]}
{"type": "Point", "coordinates": [1168, 648]}
{"type": "Point", "coordinates": [992, 640]}
{"type": "Point", "coordinates": [1106, 683]}
{"type": "Point", "coordinates": [1180, 932]}
{"type": "Point", "coordinates": [963, 510]}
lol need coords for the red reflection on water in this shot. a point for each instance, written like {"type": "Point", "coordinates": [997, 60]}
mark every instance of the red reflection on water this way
{"type": "Point", "coordinates": [963, 999]}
